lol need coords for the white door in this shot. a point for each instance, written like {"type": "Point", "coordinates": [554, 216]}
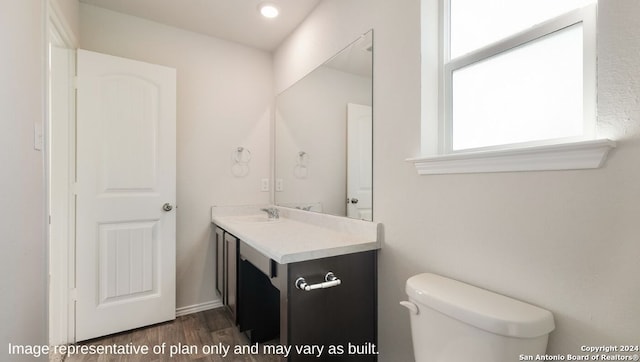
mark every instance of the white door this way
{"type": "Point", "coordinates": [359, 161]}
{"type": "Point", "coordinates": [126, 160]}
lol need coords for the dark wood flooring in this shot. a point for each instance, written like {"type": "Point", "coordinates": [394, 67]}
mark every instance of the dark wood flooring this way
{"type": "Point", "coordinates": [195, 333]}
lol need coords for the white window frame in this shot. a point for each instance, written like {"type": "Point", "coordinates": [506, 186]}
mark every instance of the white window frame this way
{"type": "Point", "coordinates": [558, 154]}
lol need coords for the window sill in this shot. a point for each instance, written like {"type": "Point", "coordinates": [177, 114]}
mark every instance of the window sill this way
{"type": "Point", "coordinates": [567, 156]}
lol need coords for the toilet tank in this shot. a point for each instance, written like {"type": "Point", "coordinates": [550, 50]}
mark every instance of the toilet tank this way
{"type": "Point", "coordinates": [452, 321]}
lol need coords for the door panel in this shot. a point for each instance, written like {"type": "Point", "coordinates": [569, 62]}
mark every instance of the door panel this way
{"type": "Point", "coordinates": [127, 253]}
{"type": "Point", "coordinates": [126, 171]}
{"type": "Point", "coordinates": [359, 157]}
{"type": "Point", "coordinates": [129, 104]}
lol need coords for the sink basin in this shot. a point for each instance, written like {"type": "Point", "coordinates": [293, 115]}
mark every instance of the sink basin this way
{"type": "Point", "coordinates": [255, 219]}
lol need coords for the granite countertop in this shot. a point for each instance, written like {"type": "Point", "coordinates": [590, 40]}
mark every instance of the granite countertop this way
{"type": "Point", "coordinates": [297, 235]}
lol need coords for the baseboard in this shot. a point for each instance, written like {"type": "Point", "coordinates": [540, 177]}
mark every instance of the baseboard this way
{"type": "Point", "coordinates": [198, 307]}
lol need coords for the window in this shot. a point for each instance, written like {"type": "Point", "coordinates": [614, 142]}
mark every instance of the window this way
{"type": "Point", "coordinates": [508, 75]}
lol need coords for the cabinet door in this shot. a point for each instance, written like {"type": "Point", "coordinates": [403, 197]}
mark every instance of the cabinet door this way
{"type": "Point", "coordinates": [220, 267]}
{"type": "Point", "coordinates": [344, 315]}
{"type": "Point", "coordinates": [231, 243]}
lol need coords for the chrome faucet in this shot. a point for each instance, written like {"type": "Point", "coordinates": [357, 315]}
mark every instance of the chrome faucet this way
{"type": "Point", "coordinates": [272, 212]}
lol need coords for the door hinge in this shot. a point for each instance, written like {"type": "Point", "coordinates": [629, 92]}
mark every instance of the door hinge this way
{"type": "Point", "coordinates": [75, 82]}
{"type": "Point", "coordinates": [74, 188]}
{"type": "Point", "coordinates": [73, 294]}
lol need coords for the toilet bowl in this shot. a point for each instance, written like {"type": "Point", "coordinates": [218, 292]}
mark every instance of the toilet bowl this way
{"type": "Point", "coordinates": [453, 322]}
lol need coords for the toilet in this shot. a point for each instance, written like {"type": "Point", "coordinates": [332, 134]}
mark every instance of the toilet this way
{"type": "Point", "coordinates": [454, 322]}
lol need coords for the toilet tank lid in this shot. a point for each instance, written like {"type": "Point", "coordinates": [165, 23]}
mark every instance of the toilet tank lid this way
{"type": "Point", "coordinates": [481, 308]}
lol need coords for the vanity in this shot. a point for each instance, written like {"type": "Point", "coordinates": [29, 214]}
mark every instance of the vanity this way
{"type": "Point", "coordinates": [308, 280]}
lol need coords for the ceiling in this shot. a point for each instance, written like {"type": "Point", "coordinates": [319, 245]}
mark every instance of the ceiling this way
{"type": "Point", "coordinates": [234, 20]}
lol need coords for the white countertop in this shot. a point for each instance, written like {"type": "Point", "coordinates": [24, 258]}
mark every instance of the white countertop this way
{"type": "Point", "coordinates": [297, 235]}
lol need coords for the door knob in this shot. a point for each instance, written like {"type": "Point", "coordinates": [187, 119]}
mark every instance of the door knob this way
{"type": "Point", "coordinates": [354, 200]}
{"type": "Point", "coordinates": [167, 207]}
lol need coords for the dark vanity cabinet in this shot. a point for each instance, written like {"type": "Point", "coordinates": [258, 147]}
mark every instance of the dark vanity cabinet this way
{"type": "Point", "coordinates": [343, 318]}
{"type": "Point", "coordinates": [231, 261]}
{"type": "Point", "coordinates": [259, 316]}
{"type": "Point", "coordinates": [220, 265]}
{"type": "Point", "coordinates": [227, 270]}
{"type": "Point", "coordinates": [272, 305]}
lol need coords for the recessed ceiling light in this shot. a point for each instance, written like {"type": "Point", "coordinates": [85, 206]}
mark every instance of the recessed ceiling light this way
{"type": "Point", "coordinates": [268, 10]}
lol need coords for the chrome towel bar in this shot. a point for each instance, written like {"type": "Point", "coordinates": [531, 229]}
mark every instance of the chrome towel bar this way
{"type": "Point", "coordinates": [330, 281]}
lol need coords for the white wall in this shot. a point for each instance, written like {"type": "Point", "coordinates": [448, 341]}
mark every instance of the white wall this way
{"type": "Point", "coordinates": [225, 94]}
{"type": "Point", "coordinates": [564, 240]}
{"type": "Point", "coordinates": [23, 270]}
{"type": "Point", "coordinates": [332, 26]}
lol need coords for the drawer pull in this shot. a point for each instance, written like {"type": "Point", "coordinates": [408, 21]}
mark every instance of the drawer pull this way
{"type": "Point", "coordinates": [330, 281]}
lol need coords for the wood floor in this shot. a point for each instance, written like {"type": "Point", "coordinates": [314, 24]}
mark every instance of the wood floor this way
{"type": "Point", "coordinates": [195, 333]}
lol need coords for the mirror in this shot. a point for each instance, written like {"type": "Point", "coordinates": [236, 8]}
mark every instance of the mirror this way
{"type": "Point", "coordinates": [323, 136]}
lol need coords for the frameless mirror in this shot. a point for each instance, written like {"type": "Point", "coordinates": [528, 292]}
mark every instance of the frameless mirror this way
{"type": "Point", "coordinates": [323, 136]}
